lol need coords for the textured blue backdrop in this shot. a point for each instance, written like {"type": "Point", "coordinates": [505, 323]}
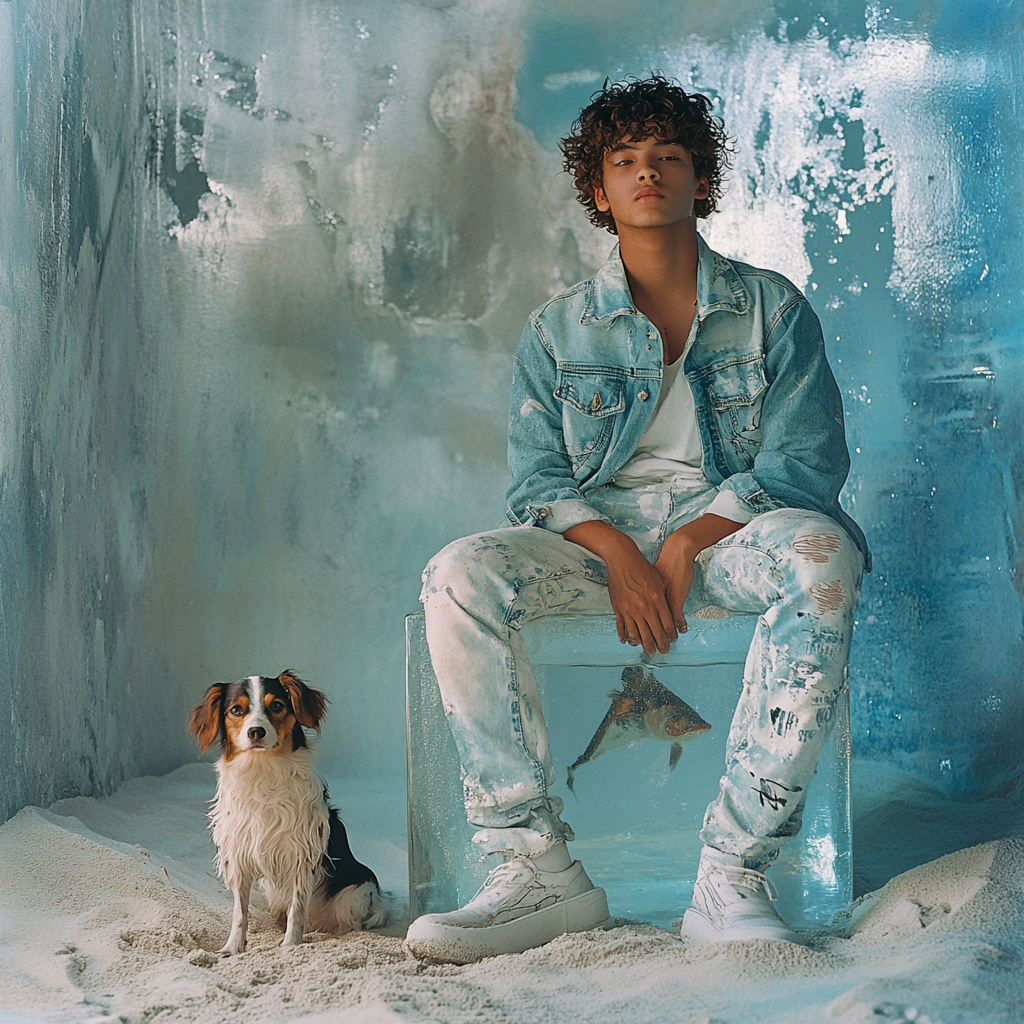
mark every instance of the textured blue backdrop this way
{"type": "Point", "coordinates": [263, 268]}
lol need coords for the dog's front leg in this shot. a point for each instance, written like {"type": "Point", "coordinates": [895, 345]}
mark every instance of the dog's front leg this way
{"type": "Point", "coordinates": [239, 918]}
{"type": "Point", "coordinates": [297, 913]}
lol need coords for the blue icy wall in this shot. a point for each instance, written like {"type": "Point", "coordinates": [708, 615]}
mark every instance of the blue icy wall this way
{"type": "Point", "coordinates": [263, 269]}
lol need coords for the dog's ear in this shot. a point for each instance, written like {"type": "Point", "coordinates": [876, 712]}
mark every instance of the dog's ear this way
{"type": "Point", "coordinates": [205, 721]}
{"type": "Point", "coordinates": [309, 705]}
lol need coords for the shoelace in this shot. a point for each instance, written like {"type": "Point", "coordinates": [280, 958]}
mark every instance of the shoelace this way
{"type": "Point", "coordinates": [745, 876]}
{"type": "Point", "coordinates": [505, 871]}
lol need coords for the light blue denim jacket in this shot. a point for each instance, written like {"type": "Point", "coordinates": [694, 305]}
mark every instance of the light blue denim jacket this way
{"type": "Point", "coordinates": [588, 373]}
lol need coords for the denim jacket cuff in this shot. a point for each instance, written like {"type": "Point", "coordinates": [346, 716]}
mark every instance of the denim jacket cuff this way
{"type": "Point", "coordinates": [729, 505]}
{"type": "Point", "coordinates": [747, 489]}
{"type": "Point", "coordinates": [559, 516]}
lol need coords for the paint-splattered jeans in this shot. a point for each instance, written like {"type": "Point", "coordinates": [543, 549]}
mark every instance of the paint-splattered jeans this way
{"type": "Point", "coordinates": [797, 570]}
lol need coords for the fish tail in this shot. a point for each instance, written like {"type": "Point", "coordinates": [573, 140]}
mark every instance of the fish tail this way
{"type": "Point", "coordinates": [570, 772]}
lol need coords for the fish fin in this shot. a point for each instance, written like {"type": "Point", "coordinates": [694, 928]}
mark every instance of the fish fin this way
{"type": "Point", "coordinates": [570, 772]}
{"type": "Point", "coordinates": [663, 695]}
{"type": "Point", "coordinates": [620, 704]}
{"type": "Point", "coordinates": [674, 754]}
{"type": "Point", "coordinates": [632, 676]}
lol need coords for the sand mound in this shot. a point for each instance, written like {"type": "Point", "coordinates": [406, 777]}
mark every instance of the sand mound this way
{"type": "Point", "coordinates": [94, 927]}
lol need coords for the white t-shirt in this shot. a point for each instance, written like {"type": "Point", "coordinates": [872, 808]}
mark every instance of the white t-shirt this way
{"type": "Point", "coordinates": [670, 451]}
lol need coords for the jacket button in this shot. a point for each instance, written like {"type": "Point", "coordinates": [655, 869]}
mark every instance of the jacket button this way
{"type": "Point", "coordinates": [643, 396]}
{"type": "Point", "coordinates": [648, 348]}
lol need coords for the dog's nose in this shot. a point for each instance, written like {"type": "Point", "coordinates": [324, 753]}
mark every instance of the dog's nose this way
{"type": "Point", "coordinates": [257, 732]}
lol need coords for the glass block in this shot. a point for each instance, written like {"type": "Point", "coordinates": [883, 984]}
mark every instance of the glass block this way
{"type": "Point", "coordinates": [636, 819]}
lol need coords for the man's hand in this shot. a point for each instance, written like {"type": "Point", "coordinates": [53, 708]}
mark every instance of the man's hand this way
{"type": "Point", "coordinates": [636, 589]}
{"type": "Point", "coordinates": [678, 553]}
{"type": "Point", "coordinates": [675, 566]}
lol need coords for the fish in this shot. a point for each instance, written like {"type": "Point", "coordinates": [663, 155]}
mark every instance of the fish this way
{"type": "Point", "coordinates": [643, 707]}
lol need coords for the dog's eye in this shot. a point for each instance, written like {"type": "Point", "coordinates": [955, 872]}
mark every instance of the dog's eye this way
{"type": "Point", "coordinates": [237, 710]}
{"type": "Point", "coordinates": [276, 707]}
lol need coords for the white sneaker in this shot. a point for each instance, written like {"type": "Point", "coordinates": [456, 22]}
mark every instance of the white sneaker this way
{"type": "Point", "coordinates": [517, 908]}
{"type": "Point", "coordinates": [732, 902]}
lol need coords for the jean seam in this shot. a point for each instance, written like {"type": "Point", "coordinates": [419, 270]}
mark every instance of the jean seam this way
{"type": "Point", "coordinates": [731, 542]}
{"type": "Point", "coordinates": [665, 520]}
{"type": "Point", "coordinates": [517, 719]}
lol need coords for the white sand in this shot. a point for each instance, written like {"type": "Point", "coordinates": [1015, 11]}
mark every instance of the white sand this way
{"type": "Point", "coordinates": [108, 909]}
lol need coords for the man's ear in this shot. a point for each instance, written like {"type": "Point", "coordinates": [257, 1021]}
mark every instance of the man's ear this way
{"type": "Point", "coordinates": [701, 188]}
{"type": "Point", "coordinates": [601, 200]}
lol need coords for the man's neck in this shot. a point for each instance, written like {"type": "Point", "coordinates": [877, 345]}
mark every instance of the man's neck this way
{"type": "Point", "coordinates": [660, 262]}
{"type": "Point", "coordinates": [661, 268]}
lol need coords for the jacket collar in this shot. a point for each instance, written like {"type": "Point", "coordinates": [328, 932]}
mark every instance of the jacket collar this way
{"type": "Point", "coordinates": [719, 286]}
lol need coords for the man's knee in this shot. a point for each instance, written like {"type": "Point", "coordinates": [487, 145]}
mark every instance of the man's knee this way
{"type": "Point", "coordinates": [466, 562]}
{"type": "Point", "coordinates": [448, 566]}
{"type": "Point", "coordinates": [825, 561]}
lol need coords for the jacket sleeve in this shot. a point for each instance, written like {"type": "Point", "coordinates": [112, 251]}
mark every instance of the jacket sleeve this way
{"type": "Point", "coordinates": [803, 461]}
{"type": "Point", "coordinates": [543, 491]}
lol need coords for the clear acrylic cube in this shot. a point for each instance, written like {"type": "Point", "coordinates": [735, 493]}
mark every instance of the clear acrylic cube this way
{"type": "Point", "coordinates": [636, 819]}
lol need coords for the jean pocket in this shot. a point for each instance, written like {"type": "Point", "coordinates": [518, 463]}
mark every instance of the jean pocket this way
{"type": "Point", "coordinates": [591, 397]}
{"type": "Point", "coordinates": [593, 391]}
{"type": "Point", "coordinates": [736, 395]}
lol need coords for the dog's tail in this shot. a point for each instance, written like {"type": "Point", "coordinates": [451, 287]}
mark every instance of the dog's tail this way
{"type": "Point", "coordinates": [354, 909]}
{"type": "Point", "coordinates": [378, 910]}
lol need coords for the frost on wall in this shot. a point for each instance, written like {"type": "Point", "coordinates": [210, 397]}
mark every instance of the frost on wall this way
{"type": "Point", "coordinates": [83, 637]}
{"type": "Point", "coordinates": [857, 174]}
{"type": "Point", "coordinates": [260, 347]}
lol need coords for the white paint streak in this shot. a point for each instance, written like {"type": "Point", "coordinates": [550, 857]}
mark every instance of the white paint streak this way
{"type": "Point", "coordinates": [257, 718]}
{"type": "Point", "coordinates": [787, 104]}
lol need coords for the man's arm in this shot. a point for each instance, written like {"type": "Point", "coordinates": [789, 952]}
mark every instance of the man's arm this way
{"type": "Point", "coordinates": [543, 491]}
{"type": "Point", "coordinates": [636, 589]}
{"type": "Point", "coordinates": [648, 600]}
{"type": "Point", "coordinates": [680, 551]}
{"type": "Point", "coordinates": [803, 460]}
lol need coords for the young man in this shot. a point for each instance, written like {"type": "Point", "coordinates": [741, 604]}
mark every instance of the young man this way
{"type": "Point", "coordinates": [675, 440]}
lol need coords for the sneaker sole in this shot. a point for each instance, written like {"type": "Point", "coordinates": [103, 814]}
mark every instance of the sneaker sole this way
{"type": "Point", "coordinates": [697, 927]}
{"type": "Point", "coordinates": [453, 944]}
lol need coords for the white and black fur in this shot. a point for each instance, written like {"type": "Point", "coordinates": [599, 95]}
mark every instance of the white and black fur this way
{"type": "Point", "coordinates": [270, 818]}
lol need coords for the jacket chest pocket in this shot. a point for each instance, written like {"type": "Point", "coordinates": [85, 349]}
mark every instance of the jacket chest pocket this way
{"type": "Point", "coordinates": [736, 393]}
{"type": "Point", "coordinates": [591, 398]}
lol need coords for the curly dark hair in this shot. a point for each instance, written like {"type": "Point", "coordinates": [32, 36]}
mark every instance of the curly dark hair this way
{"type": "Point", "coordinates": [641, 109]}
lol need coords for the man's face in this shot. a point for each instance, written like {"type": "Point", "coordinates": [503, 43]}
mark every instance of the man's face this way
{"type": "Point", "coordinates": [649, 183]}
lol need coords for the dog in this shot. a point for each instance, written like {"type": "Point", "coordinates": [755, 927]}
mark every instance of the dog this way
{"type": "Point", "coordinates": [270, 818]}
